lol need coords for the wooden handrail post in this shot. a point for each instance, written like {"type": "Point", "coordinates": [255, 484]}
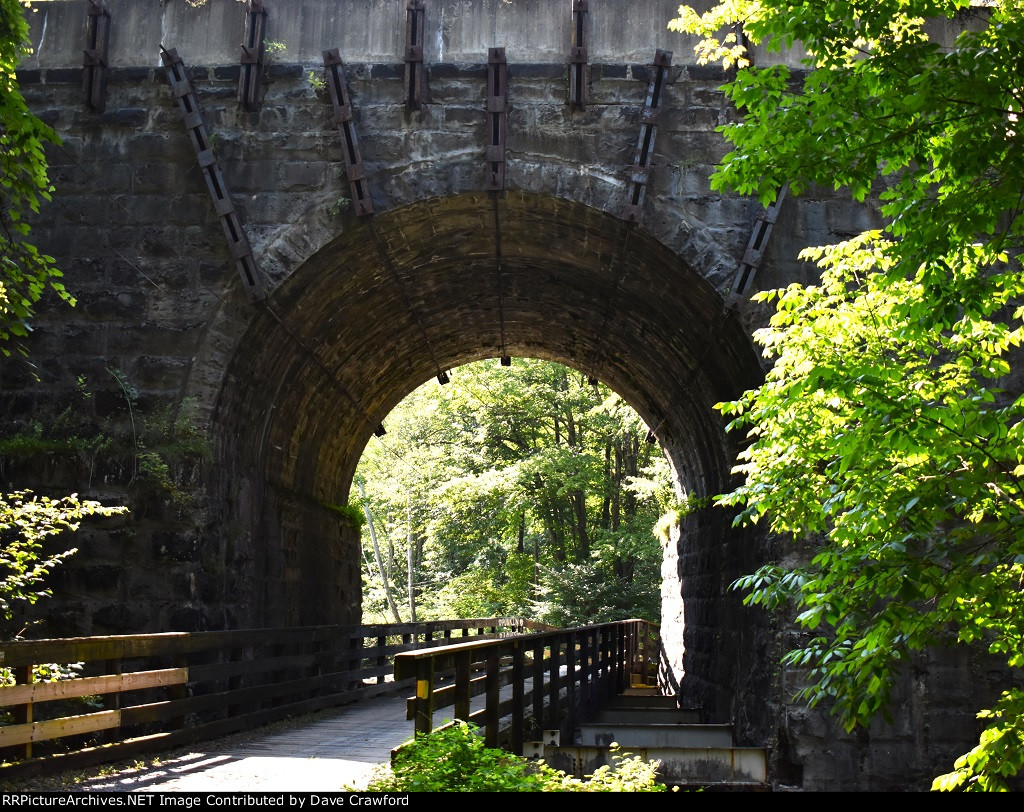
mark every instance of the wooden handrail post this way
{"type": "Point", "coordinates": [606, 663]}
{"type": "Point", "coordinates": [424, 695]}
{"type": "Point", "coordinates": [570, 688]}
{"type": "Point", "coordinates": [538, 686]}
{"type": "Point", "coordinates": [620, 658]}
{"type": "Point", "coordinates": [355, 644]}
{"type": "Point", "coordinates": [644, 634]}
{"type": "Point", "coordinates": [315, 665]}
{"type": "Point", "coordinates": [178, 692]}
{"type": "Point", "coordinates": [462, 680]}
{"type": "Point", "coordinates": [110, 701]}
{"type": "Point", "coordinates": [605, 638]}
{"type": "Point", "coordinates": [492, 685]}
{"type": "Point", "coordinates": [590, 667]}
{"type": "Point", "coordinates": [235, 680]}
{"type": "Point", "coordinates": [518, 696]}
{"type": "Point", "coordinates": [23, 713]}
{"type": "Point", "coordinates": [382, 659]}
{"type": "Point", "coordinates": [553, 668]}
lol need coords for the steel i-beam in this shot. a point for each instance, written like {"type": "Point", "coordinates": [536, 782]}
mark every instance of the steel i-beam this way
{"type": "Point", "coordinates": [192, 115]}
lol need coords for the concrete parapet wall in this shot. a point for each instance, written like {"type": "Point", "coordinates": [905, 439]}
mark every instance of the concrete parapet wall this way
{"type": "Point", "coordinates": [456, 31]}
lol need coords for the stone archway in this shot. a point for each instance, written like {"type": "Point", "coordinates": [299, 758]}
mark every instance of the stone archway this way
{"type": "Point", "coordinates": [421, 289]}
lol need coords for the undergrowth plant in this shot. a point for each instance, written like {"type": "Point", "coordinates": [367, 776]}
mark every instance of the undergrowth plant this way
{"type": "Point", "coordinates": [153, 452]}
{"type": "Point", "coordinates": [455, 759]}
{"type": "Point", "coordinates": [28, 522]}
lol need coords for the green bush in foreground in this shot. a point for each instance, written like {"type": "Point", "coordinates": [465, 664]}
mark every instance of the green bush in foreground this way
{"type": "Point", "coordinates": [455, 759]}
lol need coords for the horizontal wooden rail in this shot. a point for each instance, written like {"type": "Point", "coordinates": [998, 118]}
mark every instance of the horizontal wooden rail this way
{"type": "Point", "coordinates": [90, 686]}
{"type": "Point", "coordinates": [558, 678]}
{"type": "Point", "coordinates": [141, 692]}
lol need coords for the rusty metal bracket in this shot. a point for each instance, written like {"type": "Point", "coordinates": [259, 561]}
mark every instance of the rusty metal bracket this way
{"type": "Point", "coordinates": [97, 46]}
{"type": "Point", "coordinates": [743, 282]}
{"type": "Point", "coordinates": [578, 56]}
{"type": "Point", "coordinates": [640, 173]}
{"type": "Point", "coordinates": [250, 79]}
{"type": "Point", "coordinates": [414, 71]}
{"type": "Point", "coordinates": [191, 113]}
{"type": "Point", "coordinates": [346, 126]}
{"type": "Point", "coordinates": [497, 106]}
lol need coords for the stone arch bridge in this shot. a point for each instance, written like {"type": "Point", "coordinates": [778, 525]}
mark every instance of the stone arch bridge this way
{"type": "Point", "coordinates": [279, 248]}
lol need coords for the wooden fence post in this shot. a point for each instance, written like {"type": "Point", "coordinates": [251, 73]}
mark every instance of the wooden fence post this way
{"type": "Point", "coordinates": [23, 713]}
{"type": "Point", "coordinates": [424, 709]}
{"type": "Point", "coordinates": [518, 696]}
{"type": "Point", "coordinates": [553, 698]}
{"type": "Point", "coordinates": [178, 692]}
{"type": "Point", "coordinates": [110, 701]}
{"type": "Point", "coordinates": [462, 680]}
{"type": "Point", "coordinates": [538, 686]}
{"type": "Point", "coordinates": [492, 685]}
{"type": "Point", "coordinates": [355, 645]}
{"type": "Point", "coordinates": [571, 697]}
{"type": "Point", "coordinates": [382, 659]}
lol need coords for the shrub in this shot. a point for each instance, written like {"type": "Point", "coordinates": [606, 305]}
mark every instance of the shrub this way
{"type": "Point", "coordinates": [455, 759]}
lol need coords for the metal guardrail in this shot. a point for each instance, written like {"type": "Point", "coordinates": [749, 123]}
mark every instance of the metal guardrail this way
{"type": "Point", "coordinates": [558, 679]}
{"type": "Point", "coordinates": [146, 692]}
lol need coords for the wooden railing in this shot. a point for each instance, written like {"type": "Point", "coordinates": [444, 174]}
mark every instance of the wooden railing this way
{"type": "Point", "coordinates": [552, 681]}
{"type": "Point", "coordinates": [147, 692]}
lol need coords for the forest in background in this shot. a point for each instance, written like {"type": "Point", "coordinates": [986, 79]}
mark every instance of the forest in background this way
{"type": "Point", "coordinates": [519, 490]}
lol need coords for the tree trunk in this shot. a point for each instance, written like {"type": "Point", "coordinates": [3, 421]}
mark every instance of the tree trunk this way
{"type": "Point", "coordinates": [536, 564]}
{"type": "Point", "coordinates": [376, 552]}
{"type": "Point", "coordinates": [609, 485]}
{"type": "Point", "coordinates": [617, 485]}
{"type": "Point", "coordinates": [410, 544]}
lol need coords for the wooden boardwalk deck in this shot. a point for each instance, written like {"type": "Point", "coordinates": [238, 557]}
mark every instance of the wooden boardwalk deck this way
{"type": "Point", "coordinates": [331, 752]}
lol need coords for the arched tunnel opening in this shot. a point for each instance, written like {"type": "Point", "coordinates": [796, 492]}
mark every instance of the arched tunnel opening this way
{"type": "Point", "coordinates": [393, 302]}
{"type": "Point", "coordinates": [517, 489]}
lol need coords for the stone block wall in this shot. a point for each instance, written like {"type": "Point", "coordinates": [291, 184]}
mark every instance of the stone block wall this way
{"type": "Point", "coordinates": [258, 413]}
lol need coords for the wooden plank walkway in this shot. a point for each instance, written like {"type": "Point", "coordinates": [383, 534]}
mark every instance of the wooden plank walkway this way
{"type": "Point", "coordinates": [334, 751]}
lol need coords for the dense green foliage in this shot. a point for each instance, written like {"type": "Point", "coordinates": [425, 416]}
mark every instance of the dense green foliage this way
{"type": "Point", "coordinates": [454, 759]}
{"type": "Point", "coordinates": [25, 273]}
{"type": "Point", "coordinates": [520, 491]}
{"type": "Point", "coordinates": [888, 431]}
